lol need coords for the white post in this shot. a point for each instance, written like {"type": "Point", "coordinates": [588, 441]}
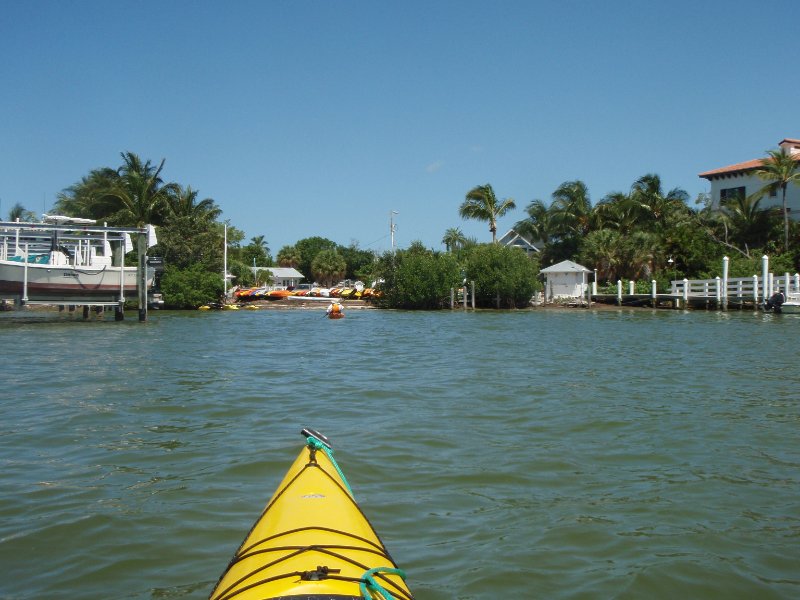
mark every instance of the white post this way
{"type": "Point", "coordinates": [122, 275]}
{"type": "Point", "coordinates": [797, 282]}
{"type": "Point", "coordinates": [786, 283]}
{"type": "Point", "coordinates": [25, 276]}
{"type": "Point", "coordinates": [686, 291]}
{"type": "Point", "coordinates": [619, 291]}
{"type": "Point", "coordinates": [653, 293]}
{"type": "Point", "coordinates": [631, 284]}
{"type": "Point", "coordinates": [225, 265]}
{"type": "Point", "coordinates": [755, 290]}
{"type": "Point", "coordinates": [719, 291]}
{"type": "Point", "coordinates": [594, 284]}
{"type": "Point", "coordinates": [764, 277]}
{"type": "Point", "coordinates": [584, 287]}
{"type": "Point", "coordinates": [725, 267]}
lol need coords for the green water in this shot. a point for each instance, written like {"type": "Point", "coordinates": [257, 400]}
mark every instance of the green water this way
{"type": "Point", "coordinates": [543, 454]}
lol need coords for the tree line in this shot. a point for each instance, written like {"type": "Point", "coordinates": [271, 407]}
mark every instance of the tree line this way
{"type": "Point", "coordinates": [644, 233]}
{"type": "Point", "coordinates": [652, 233]}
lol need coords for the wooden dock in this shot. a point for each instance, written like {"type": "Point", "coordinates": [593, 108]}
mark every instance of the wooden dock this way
{"type": "Point", "coordinates": [719, 293]}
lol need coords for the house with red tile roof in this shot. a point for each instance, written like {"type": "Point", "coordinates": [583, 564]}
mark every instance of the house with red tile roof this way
{"type": "Point", "coordinates": [727, 182]}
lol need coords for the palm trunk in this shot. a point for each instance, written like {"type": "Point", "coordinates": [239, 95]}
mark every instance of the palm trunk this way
{"type": "Point", "coordinates": [785, 222]}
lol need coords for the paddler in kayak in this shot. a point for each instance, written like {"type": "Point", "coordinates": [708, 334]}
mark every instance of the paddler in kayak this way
{"type": "Point", "coordinates": [335, 309]}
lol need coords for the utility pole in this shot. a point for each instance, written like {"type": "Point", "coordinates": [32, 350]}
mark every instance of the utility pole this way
{"type": "Point", "coordinates": [392, 226]}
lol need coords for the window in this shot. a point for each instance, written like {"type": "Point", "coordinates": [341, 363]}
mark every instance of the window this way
{"type": "Point", "coordinates": [729, 194]}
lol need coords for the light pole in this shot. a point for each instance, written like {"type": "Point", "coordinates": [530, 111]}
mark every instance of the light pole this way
{"type": "Point", "coordinates": [392, 226]}
{"type": "Point", "coordinates": [671, 263]}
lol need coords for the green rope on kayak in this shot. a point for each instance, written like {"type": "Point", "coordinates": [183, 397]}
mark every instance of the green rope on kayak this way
{"type": "Point", "coordinates": [368, 584]}
{"type": "Point", "coordinates": [317, 444]}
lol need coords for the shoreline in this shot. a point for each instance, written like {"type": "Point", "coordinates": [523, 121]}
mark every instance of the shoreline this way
{"type": "Point", "coordinates": [352, 304]}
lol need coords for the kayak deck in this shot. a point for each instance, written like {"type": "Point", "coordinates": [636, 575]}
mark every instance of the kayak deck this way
{"type": "Point", "coordinates": [312, 542]}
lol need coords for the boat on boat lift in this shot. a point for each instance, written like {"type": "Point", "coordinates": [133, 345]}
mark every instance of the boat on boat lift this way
{"type": "Point", "coordinates": [68, 260]}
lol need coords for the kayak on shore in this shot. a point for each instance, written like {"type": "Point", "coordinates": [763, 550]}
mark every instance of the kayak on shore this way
{"type": "Point", "coordinates": [312, 542]}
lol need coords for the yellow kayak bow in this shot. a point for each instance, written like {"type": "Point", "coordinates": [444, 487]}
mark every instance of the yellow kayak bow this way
{"type": "Point", "coordinates": [312, 542]}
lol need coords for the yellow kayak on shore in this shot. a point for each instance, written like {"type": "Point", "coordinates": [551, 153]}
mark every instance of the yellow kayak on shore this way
{"type": "Point", "coordinates": [312, 542]}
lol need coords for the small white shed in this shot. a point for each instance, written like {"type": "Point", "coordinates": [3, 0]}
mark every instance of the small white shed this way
{"type": "Point", "coordinates": [566, 280]}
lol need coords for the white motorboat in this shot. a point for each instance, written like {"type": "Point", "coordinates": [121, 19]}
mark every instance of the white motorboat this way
{"type": "Point", "coordinates": [783, 303]}
{"type": "Point", "coordinates": [792, 304]}
{"type": "Point", "coordinates": [64, 261]}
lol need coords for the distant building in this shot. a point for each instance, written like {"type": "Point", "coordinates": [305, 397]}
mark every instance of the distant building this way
{"type": "Point", "coordinates": [565, 280]}
{"type": "Point", "coordinates": [517, 240]}
{"type": "Point", "coordinates": [282, 278]}
{"type": "Point", "coordinates": [740, 179]}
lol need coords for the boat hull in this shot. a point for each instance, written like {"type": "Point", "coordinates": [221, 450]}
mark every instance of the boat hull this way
{"type": "Point", "coordinates": [51, 282]}
{"type": "Point", "coordinates": [790, 308]}
{"type": "Point", "coordinates": [311, 541]}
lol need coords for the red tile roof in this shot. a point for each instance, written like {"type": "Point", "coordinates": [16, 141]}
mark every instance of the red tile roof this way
{"type": "Point", "coordinates": [741, 167]}
{"type": "Point", "coordinates": [732, 169]}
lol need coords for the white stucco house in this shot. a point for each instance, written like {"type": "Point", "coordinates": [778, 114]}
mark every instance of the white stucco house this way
{"type": "Point", "coordinates": [517, 240]}
{"type": "Point", "coordinates": [565, 280]}
{"type": "Point", "coordinates": [740, 179]}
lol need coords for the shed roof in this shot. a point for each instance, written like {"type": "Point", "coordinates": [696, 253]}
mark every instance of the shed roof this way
{"type": "Point", "coordinates": [283, 272]}
{"type": "Point", "coordinates": [566, 266]}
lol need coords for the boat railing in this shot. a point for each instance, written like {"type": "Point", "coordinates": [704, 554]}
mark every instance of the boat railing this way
{"type": "Point", "coordinates": [81, 248]}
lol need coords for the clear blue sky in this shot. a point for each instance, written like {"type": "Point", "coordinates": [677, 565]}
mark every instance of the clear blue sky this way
{"type": "Point", "coordinates": [311, 118]}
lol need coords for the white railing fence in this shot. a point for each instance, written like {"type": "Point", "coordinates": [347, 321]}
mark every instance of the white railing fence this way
{"type": "Point", "coordinates": [753, 288]}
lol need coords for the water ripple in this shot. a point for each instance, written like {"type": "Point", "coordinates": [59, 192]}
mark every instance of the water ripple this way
{"type": "Point", "coordinates": [560, 454]}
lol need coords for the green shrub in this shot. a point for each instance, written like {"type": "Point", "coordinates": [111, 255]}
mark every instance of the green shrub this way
{"type": "Point", "coordinates": [504, 277]}
{"type": "Point", "coordinates": [417, 279]}
{"type": "Point", "coordinates": [190, 287]}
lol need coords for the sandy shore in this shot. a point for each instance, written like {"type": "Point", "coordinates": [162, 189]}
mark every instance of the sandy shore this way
{"type": "Point", "coordinates": [285, 304]}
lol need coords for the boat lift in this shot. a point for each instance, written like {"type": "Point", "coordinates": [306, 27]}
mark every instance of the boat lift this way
{"type": "Point", "coordinates": [81, 238]}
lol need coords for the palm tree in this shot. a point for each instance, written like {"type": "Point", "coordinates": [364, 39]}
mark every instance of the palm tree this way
{"type": "Point", "coordinates": [260, 243]}
{"type": "Point", "coordinates": [614, 211]}
{"type": "Point", "coordinates": [134, 194]}
{"type": "Point", "coordinates": [639, 254]}
{"type": "Point", "coordinates": [481, 203]}
{"type": "Point", "coordinates": [289, 256]}
{"type": "Point", "coordinates": [89, 197]}
{"type": "Point", "coordinates": [183, 203]}
{"type": "Point", "coordinates": [538, 224]}
{"type": "Point", "coordinates": [779, 170]}
{"type": "Point", "coordinates": [140, 191]}
{"type": "Point", "coordinates": [571, 209]}
{"type": "Point", "coordinates": [454, 239]}
{"type": "Point", "coordinates": [328, 267]}
{"type": "Point", "coordinates": [20, 212]}
{"type": "Point", "coordinates": [652, 206]}
{"type": "Point", "coordinates": [601, 248]}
